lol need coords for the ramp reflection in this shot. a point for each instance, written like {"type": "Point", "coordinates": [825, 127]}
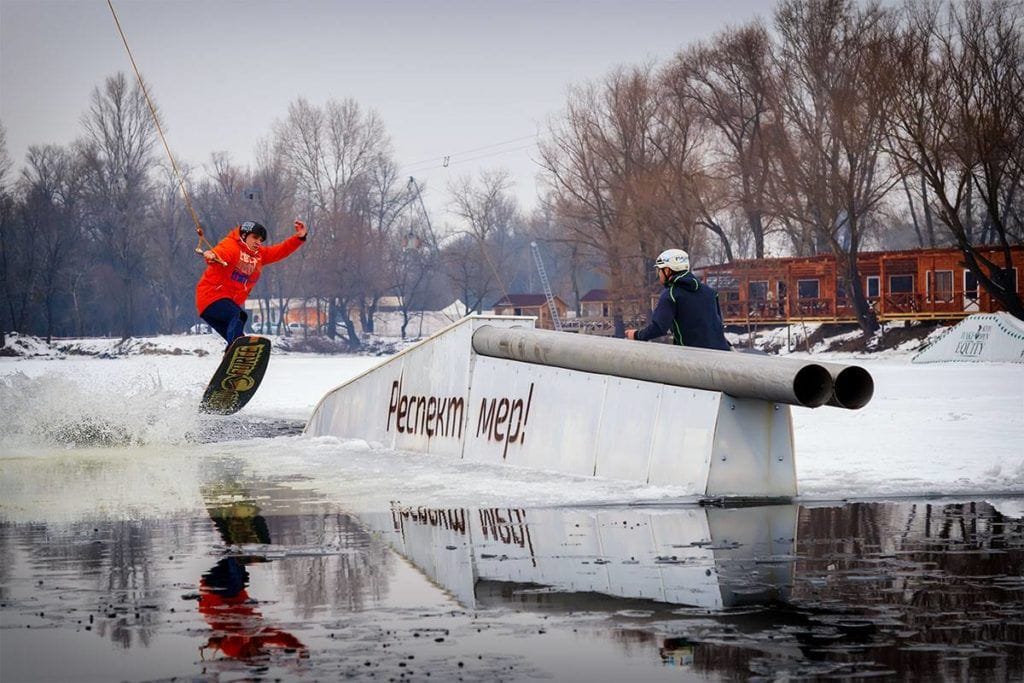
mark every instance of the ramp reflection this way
{"type": "Point", "coordinates": [708, 558]}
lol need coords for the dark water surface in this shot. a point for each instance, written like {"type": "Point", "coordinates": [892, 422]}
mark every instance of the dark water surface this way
{"type": "Point", "coordinates": [269, 585]}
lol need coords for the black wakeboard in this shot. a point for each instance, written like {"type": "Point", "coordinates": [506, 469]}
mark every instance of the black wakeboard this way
{"type": "Point", "coordinates": [238, 376]}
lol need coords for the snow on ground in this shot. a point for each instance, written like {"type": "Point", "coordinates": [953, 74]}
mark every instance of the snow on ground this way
{"type": "Point", "coordinates": [200, 345]}
{"type": "Point", "coordinates": [930, 430]}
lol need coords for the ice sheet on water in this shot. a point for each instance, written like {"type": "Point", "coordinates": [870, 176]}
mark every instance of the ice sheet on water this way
{"type": "Point", "coordinates": [366, 476]}
{"type": "Point", "coordinates": [930, 430]}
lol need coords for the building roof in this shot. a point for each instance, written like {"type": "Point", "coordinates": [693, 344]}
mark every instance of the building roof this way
{"type": "Point", "coordinates": [524, 300]}
{"type": "Point", "coordinates": [389, 302]}
{"type": "Point", "coordinates": [596, 295]}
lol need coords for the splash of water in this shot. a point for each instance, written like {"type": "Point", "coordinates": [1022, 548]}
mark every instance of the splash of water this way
{"type": "Point", "coordinates": [52, 410]}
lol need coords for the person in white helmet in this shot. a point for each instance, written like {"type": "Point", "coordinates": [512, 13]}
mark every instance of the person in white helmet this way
{"type": "Point", "coordinates": [687, 308]}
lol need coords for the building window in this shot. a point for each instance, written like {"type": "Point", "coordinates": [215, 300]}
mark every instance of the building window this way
{"type": "Point", "coordinates": [970, 285]}
{"type": "Point", "coordinates": [873, 284]}
{"type": "Point", "coordinates": [1010, 278]}
{"type": "Point", "coordinates": [941, 286]}
{"type": "Point", "coordinates": [807, 289]}
{"type": "Point", "coordinates": [840, 288]}
{"type": "Point", "coordinates": [757, 291]}
{"type": "Point", "coordinates": [901, 284]}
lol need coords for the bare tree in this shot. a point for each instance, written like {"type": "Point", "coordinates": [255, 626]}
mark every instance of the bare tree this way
{"type": "Point", "coordinates": [469, 276]}
{"type": "Point", "coordinates": [490, 217]}
{"type": "Point", "coordinates": [414, 258]}
{"type": "Point", "coordinates": [833, 100]}
{"type": "Point", "coordinates": [117, 157]}
{"type": "Point", "coordinates": [333, 153]}
{"type": "Point", "coordinates": [5, 158]}
{"type": "Point", "coordinates": [607, 174]}
{"type": "Point", "coordinates": [17, 252]}
{"type": "Point", "coordinates": [389, 199]}
{"type": "Point", "coordinates": [270, 195]}
{"type": "Point", "coordinates": [960, 123]}
{"type": "Point", "coordinates": [728, 81]}
{"type": "Point", "coordinates": [52, 201]}
{"type": "Point", "coordinates": [171, 274]}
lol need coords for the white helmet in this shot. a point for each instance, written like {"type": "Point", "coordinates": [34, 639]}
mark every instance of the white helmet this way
{"type": "Point", "coordinates": [674, 259]}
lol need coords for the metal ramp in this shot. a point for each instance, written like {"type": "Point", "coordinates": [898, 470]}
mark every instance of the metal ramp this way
{"type": "Point", "coordinates": [492, 389]}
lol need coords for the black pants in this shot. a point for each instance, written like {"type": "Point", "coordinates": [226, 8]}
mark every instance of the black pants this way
{"type": "Point", "coordinates": [227, 317]}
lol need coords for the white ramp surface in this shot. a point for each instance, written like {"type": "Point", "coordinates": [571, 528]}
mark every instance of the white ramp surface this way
{"type": "Point", "coordinates": [992, 337]}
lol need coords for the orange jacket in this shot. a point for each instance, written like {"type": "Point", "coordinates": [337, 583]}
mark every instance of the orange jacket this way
{"type": "Point", "coordinates": [235, 280]}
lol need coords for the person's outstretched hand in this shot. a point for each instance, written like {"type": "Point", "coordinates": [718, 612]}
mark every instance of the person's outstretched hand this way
{"type": "Point", "coordinates": [300, 228]}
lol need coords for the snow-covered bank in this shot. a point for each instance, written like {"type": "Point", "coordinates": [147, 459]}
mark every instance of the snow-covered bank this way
{"type": "Point", "coordinates": [27, 346]}
{"type": "Point", "coordinates": [893, 340]}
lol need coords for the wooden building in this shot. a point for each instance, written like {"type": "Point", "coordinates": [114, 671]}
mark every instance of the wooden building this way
{"type": "Point", "coordinates": [920, 284]}
{"type": "Point", "coordinates": [597, 303]}
{"type": "Point", "coordinates": [531, 304]}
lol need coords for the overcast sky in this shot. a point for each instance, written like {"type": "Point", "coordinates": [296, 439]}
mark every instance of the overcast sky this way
{"type": "Point", "coordinates": [472, 80]}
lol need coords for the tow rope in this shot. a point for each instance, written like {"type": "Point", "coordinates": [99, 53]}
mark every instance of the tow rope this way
{"type": "Point", "coordinates": [159, 129]}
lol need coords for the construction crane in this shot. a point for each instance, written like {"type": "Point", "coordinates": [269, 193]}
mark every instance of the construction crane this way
{"type": "Point", "coordinates": [547, 287]}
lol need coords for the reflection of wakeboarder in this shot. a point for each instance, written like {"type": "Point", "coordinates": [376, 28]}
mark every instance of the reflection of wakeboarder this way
{"type": "Point", "coordinates": [224, 602]}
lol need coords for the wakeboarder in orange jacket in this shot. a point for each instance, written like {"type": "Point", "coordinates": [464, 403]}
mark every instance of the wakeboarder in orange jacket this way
{"type": "Point", "coordinates": [232, 270]}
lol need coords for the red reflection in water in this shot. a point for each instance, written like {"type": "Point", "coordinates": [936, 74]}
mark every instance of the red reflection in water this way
{"type": "Point", "coordinates": [239, 631]}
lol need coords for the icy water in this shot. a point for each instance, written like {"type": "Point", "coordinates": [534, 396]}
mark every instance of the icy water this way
{"type": "Point", "coordinates": [244, 575]}
{"type": "Point", "coordinates": [139, 542]}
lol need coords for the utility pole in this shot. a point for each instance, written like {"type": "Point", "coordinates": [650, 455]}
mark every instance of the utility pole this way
{"type": "Point", "coordinates": [547, 287]}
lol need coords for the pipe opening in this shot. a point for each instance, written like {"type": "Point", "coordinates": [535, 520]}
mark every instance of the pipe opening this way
{"type": "Point", "coordinates": [812, 385]}
{"type": "Point", "coordinates": [854, 387]}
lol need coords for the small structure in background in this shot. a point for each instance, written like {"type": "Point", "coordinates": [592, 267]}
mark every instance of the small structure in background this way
{"type": "Point", "coordinates": [309, 317]}
{"type": "Point", "coordinates": [597, 311]}
{"type": "Point", "coordinates": [531, 304]}
{"type": "Point", "coordinates": [291, 316]}
{"type": "Point", "coordinates": [388, 323]}
{"type": "Point", "coordinates": [597, 303]}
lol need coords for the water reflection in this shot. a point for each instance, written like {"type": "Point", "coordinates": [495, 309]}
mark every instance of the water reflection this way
{"type": "Point", "coordinates": [271, 583]}
{"type": "Point", "coordinates": [238, 628]}
{"type": "Point", "coordinates": [110, 562]}
{"type": "Point", "coordinates": [710, 558]}
{"type": "Point", "coordinates": [922, 589]}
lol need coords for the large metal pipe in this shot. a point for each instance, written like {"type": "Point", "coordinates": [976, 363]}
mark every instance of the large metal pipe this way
{"type": "Point", "coordinates": [852, 385]}
{"type": "Point", "coordinates": [782, 380]}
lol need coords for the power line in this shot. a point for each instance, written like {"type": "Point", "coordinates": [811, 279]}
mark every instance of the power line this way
{"type": "Point", "coordinates": [446, 159]}
{"type": "Point", "coordinates": [493, 154]}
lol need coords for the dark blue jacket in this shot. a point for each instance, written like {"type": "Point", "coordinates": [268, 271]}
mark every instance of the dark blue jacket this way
{"type": "Point", "coordinates": [689, 310]}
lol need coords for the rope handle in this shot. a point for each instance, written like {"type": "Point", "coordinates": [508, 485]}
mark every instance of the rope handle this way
{"type": "Point", "coordinates": [202, 252]}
